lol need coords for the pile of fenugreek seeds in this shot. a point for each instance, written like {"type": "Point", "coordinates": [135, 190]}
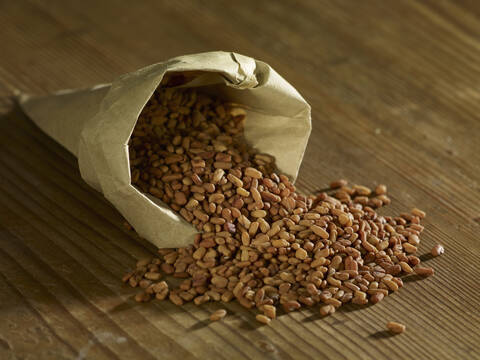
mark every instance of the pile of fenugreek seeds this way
{"type": "Point", "coordinates": [260, 242]}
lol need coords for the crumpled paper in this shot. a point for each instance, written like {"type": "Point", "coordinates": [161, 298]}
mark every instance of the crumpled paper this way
{"type": "Point", "coordinates": [95, 125]}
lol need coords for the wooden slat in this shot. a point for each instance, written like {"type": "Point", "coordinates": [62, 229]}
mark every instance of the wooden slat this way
{"type": "Point", "coordinates": [394, 89]}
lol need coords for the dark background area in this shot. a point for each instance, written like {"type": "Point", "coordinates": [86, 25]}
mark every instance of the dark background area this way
{"type": "Point", "coordinates": [395, 94]}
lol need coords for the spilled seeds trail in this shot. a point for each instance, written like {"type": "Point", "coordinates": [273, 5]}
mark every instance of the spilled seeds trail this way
{"type": "Point", "coordinates": [260, 242]}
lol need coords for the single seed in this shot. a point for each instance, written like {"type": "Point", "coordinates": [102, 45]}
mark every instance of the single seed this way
{"type": "Point", "coordinates": [405, 267]}
{"type": "Point", "coordinates": [395, 327]}
{"type": "Point", "coordinates": [409, 248]}
{"type": "Point", "coordinates": [417, 212]}
{"type": "Point", "coordinates": [424, 271]}
{"type": "Point", "coordinates": [154, 276]}
{"type": "Point", "coordinates": [301, 254]}
{"type": "Point", "coordinates": [258, 213]}
{"type": "Point", "coordinates": [218, 315]}
{"type": "Point", "coordinates": [263, 319]}
{"type": "Point", "coordinates": [381, 189]}
{"type": "Point", "coordinates": [234, 180]}
{"type": "Point", "coordinates": [143, 262]}
{"type": "Point", "coordinates": [437, 250]}
{"type": "Point", "coordinates": [253, 173]}
{"type": "Point", "coordinates": [375, 298]}
{"type": "Point", "coordinates": [270, 311]}
{"type": "Point", "coordinates": [319, 231]}
{"type": "Point", "coordinates": [362, 190]}
{"type": "Point", "coordinates": [338, 183]}
{"type": "Point", "coordinates": [242, 192]}
{"type": "Point", "coordinates": [217, 175]}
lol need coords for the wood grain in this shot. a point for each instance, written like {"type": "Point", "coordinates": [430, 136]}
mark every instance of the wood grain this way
{"type": "Point", "coordinates": [394, 89]}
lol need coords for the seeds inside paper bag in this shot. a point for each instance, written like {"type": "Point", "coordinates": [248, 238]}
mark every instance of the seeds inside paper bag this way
{"type": "Point", "coordinates": [260, 241]}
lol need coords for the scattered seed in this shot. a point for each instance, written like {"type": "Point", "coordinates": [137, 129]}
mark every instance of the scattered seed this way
{"type": "Point", "coordinates": [260, 241]}
{"type": "Point", "coordinates": [375, 298]}
{"type": "Point", "coordinates": [424, 271]}
{"type": "Point", "coordinates": [395, 327]}
{"type": "Point", "coordinates": [338, 183]}
{"type": "Point", "coordinates": [437, 250]}
{"type": "Point", "coordinates": [381, 189]}
{"type": "Point", "coordinates": [417, 212]}
{"type": "Point", "coordinates": [218, 315]}
{"type": "Point", "coordinates": [270, 311]}
{"type": "Point", "coordinates": [263, 319]}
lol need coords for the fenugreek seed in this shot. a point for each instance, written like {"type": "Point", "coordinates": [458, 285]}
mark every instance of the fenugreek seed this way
{"type": "Point", "coordinates": [256, 195]}
{"type": "Point", "coordinates": [243, 192]}
{"type": "Point", "coordinates": [200, 215]}
{"type": "Point", "coordinates": [405, 267]}
{"type": "Point", "coordinates": [227, 296]}
{"type": "Point", "coordinates": [327, 310]}
{"type": "Point", "coordinates": [375, 298]}
{"type": "Point", "coordinates": [391, 285]}
{"type": "Point", "coordinates": [417, 212]}
{"type": "Point", "coordinates": [180, 198]}
{"type": "Point", "coordinates": [341, 276]}
{"type": "Point", "coordinates": [127, 276]}
{"type": "Point", "coordinates": [301, 254]}
{"type": "Point", "coordinates": [154, 276]}
{"type": "Point", "coordinates": [381, 189]}
{"type": "Point", "coordinates": [437, 250]}
{"type": "Point", "coordinates": [413, 260]}
{"type": "Point", "coordinates": [143, 262]}
{"type": "Point", "coordinates": [142, 297]}
{"type": "Point", "coordinates": [253, 173]}
{"type": "Point", "coordinates": [280, 243]}
{"type": "Point", "coordinates": [258, 213]}
{"type": "Point", "coordinates": [338, 183]}
{"type": "Point", "coordinates": [198, 163]}
{"type": "Point", "coordinates": [218, 315]}
{"type": "Point", "coordinates": [409, 248]}
{"type": "Point", "coordinates": [192, 204]}
{"type": "Point", "coordinates": [344, 219]}
{"type": "Point", "coordinates": [216, 198]}
{"type": "Point", "coordinates": [291, 305]}
{"type": "Point", "coordinates": [222, 165]}
{"type": "Point", "coordinates": [270, 311]}
{"type": "Point", "coordinates": [413, 239]}
{"type": "Point", "coordinates": [263, 319]}
{"type": "Point", "coordinates": [217, 175]}
{"type": "Point", "coordinates": [424, 271]}
{"type": "Point", "coordinates": [235, 180]}
{"type": "Point", "coordinates": [161, 286]}
{"type": "Point", "coordinates": [162, 295]}
{"type": "Point", "coordinates": [334, 282]}
{"type": "Point", "coordinates": [219, 281]}
{"type": "Point", "coordinates": [384, 292]}
{"type": "Point", "coordinates": [334, 302]}
{"type": "Point", "coordinates": [319, 231]}
{"type": "Point", "coordinates": [362, 190]}
{"type": "Point", "coordinates": [395, 327]}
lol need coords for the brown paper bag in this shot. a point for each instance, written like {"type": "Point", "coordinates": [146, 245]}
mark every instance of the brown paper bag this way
{"type": "Point", "coordinates": [95, 125]}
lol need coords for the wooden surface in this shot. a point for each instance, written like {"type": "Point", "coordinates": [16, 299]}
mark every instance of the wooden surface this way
{"type": "Point", "coordinates": [395, 92]}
